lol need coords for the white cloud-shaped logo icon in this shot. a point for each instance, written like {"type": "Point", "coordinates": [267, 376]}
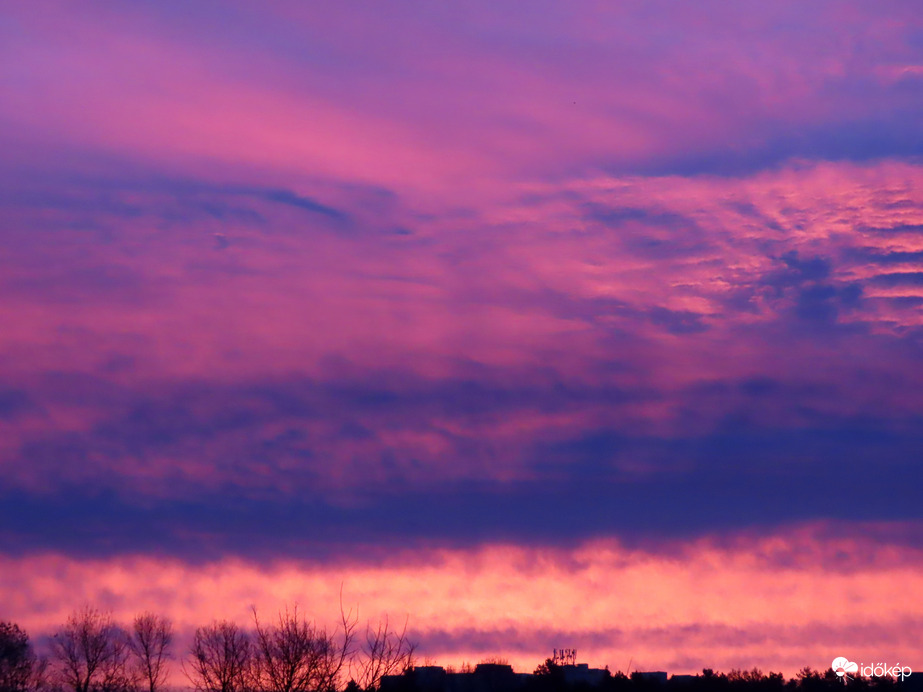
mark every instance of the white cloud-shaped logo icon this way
{"type": "Point", "coordinates": [842, 666]}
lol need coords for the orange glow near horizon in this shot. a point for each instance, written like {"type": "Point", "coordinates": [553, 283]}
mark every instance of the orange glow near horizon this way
{"type": "Point", "coordinates": [776, 603]}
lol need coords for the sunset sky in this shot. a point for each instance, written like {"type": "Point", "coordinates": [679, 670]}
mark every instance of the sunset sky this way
{"type": "Point", "coordinates": [546, 324]}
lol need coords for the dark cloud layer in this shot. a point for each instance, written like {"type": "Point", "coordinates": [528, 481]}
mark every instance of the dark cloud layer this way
{"type": "Point", "coordinates": [263, 493]}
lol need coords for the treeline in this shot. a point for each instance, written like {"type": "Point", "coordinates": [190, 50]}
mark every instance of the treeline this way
{"type": "Point", "coordinates": [93, 653]}
{"type": "Point", "coordinates": [549, 677]}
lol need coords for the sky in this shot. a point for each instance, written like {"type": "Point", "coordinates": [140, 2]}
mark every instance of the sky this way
{"type": "Point", "coordinates": [589, 325]}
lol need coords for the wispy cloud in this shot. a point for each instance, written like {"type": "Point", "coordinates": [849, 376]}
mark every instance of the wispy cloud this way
{"type": "Point", "coordinates": [641, 274]}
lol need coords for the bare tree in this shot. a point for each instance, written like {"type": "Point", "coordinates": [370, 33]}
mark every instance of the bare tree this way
{"type": "Point", "coordinates": [219, 658]}
{"type": "Point", "coordinates": [384, 652]}
{"type": "Point", "coordinates": [92, 654]}
{"type": "Point", "coordinates": [294, 655]}
{"type": "Point", "coordinates": [20, 669]}
{"type": "Point", "coordinates": [338, 652]}
{"type": "Point", "coordinates": [495, 661]}
{"type": "Point", "coordinates": [150, 642]}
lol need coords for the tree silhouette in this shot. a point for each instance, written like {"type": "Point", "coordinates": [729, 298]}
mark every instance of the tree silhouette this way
{"type": "Point", "coordinates": [294, 655]}
{"type": "Point", "coordinates": [150, 641]}
{"type": "Point", "coordinates": [92, 654]}
{"type": "Point", "coordinates": [20, 669]}
{"type": "Point", "coordinates": [219, 658]}
{"type": "Point", "coordinates": [384, 652]}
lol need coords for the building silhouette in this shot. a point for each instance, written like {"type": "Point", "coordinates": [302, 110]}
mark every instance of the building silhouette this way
{"type": "Point", "coordinates": [486, 677]}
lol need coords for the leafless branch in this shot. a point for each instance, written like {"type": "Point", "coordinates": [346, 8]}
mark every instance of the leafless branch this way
{"type": "Point", "coordinates": [92, 654]}
{"type": "Point", "coordinates": [219, 658]}
{"type": "Point", "coordinates": [150, 641]}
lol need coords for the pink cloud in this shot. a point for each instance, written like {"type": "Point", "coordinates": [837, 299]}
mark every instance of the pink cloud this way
{"type": "Point", "coordinates": [699, 606]}
{"type": "Point", "coordinates": [659, 272]}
